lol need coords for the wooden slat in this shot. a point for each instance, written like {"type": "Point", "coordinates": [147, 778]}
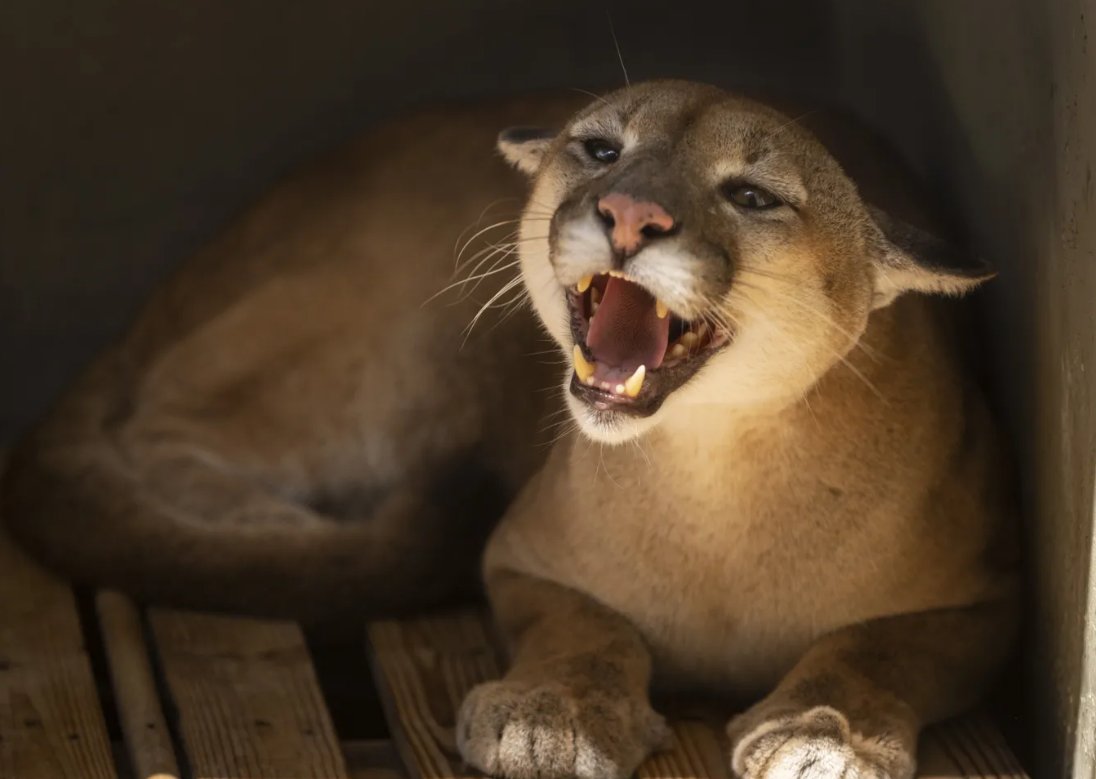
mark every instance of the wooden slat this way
{"type": "Point", "coordinates": [969, 746]}
{"type": "Point", "coordinates": [148, 741]}
{"type": "Point", "coordinates": [697, 753]}
{"type": "Point", "coordinates": [246, 696]}
{"type": "Point", "coordinates": [425, 666]}
{"type": "Point", "coordinates": [51, 724]}
{"type": "Point", "coordinates": [423, 669]}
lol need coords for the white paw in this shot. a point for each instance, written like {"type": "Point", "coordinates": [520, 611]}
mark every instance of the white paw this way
{"type": "Point", "coordinates": [522, 731]}
{"type": "Point", "coordinates": [813, 744]}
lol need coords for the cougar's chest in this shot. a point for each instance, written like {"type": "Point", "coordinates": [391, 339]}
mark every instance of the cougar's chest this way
{"type": "Point", "coordinates": [709, 563]}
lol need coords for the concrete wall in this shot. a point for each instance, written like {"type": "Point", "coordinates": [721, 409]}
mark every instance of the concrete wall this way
{"type": "Point", "coordinates": [995, 103]}
{"type": "Point", "coordinates": [131, 130]}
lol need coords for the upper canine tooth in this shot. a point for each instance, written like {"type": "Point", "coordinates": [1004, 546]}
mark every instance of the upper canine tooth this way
{"type": "Point", "coordinates": [584, 284]}
{"type": "Point", "coordinates": [635, 381]}
{"type": "Point", "coordinates": [583, 369]}
{"type": "Point", "coordinates": [661, 309]}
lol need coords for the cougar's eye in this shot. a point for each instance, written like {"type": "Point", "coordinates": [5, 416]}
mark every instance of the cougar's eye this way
{"type": "Point", "coordinates": [602, 150]}
{"type": "Point", "coordinates": [750, 196]}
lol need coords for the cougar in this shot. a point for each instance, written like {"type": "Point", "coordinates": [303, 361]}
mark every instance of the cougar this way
{"type": "Point", "coordinates": [774, 482]}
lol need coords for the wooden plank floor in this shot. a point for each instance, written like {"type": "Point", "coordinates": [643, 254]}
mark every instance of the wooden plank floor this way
{"type": "Point", "coordinates": [424, 667]}
{"type": "Point", "coordinates": [247, 699]}
{"type": "Point", "coordinates": [51, 724]}
{"type": "Point", "coordinates": [198, 696]}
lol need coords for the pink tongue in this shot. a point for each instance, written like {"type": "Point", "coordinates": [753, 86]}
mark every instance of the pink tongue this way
{"type": "Point", "coordinates": [626, 332]}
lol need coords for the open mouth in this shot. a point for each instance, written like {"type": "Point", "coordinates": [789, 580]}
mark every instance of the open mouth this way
{"type": "Point", "coordinates": [631, 351]}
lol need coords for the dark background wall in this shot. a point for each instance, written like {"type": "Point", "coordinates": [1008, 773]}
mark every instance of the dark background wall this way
{"type": "Point", "coordinates": [129, 131]}
{"type": "Point", "coordinates": [995, 104]}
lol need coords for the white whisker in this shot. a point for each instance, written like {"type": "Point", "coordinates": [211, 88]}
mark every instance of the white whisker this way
{"type": "Point", "coordinates": [616, 44]}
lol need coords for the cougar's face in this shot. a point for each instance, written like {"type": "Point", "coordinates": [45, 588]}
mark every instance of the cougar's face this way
{"type": "Point", "coordinates": [687, 247]}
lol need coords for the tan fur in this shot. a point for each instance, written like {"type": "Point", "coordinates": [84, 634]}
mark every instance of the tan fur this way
{"type": "Point", "coordinates": [296, 424]}
{"type": "Point", "coordinates": [812, 524]}
{"type": "Point", "coordinates": [815, 517]}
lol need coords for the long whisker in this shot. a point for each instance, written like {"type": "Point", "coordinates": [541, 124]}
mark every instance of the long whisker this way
{"type": "Point", "coordinates": [477, 278]}
{"type": "Point", "coordinates": [479, 219]}
{"type": "Point", "coordinates": [821, 315]}
{"type": "Point", "coordinates": [506, 288]}
{"type": "Point", "coordinates": [616, 44]}
{"type": "Point", "coordinates": [797, 119]}
{"type": "Point", "coordinates": [502, 223]}
{"type": "Point", "coordinates": [480, 232]}
{"type": "Point", "coordinates": [591, 94]}
{"type": "Point", "coordinates": [837, 355]}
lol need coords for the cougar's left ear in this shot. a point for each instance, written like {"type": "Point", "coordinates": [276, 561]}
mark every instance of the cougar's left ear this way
{"type": "Point", "coordinates": [911, 259]}
{"type": "Point", "coordinates": [525, 147]}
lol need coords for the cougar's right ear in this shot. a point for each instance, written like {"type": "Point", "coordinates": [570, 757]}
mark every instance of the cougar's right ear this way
{"type": "Point", "coordinates": [525, 147]}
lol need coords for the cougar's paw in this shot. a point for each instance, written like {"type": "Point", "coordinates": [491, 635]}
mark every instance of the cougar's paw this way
{"type": "Point", "coordinates": [815, 743]}
{"type": "Point", "coordinates": [544, 731]}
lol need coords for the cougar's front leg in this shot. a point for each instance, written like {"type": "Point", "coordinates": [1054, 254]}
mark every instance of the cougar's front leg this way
{"type": "Point", "coordinates": [575, 700]}
{"type": "Point", "coordinates": [854, 704]}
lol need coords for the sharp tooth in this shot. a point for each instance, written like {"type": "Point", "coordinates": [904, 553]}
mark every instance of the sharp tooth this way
{"type": "Point", "coordinates": [635, 382]}
{"type": "Point", "coordinates": [661, 309]}
{"type": "Point", "coordinates": [583, 369]}
{"type": "Point", "coordinates": [689, 339]}
{"type": "Point", "coordinates": [584, 284]}
{"type": "Point", "coordinates": [617, 274]}
{"type": "Point", "coordinates": [677, 350]}
{"type": "Point", "coordinates": [701, 329]}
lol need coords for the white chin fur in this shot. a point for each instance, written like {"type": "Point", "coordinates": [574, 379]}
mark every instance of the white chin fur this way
{"type": "Point", "coordinates": [614, 429]}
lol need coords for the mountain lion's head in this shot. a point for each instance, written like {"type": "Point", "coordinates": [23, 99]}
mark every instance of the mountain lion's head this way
{"type": "Point", "coordinates": [686, 246]}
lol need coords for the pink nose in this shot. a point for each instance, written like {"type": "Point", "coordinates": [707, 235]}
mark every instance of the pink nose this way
{"type": "Point", "coordinates": [632, 222]}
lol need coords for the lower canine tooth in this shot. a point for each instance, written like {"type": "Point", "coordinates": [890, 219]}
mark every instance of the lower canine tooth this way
{"type": "Point", "coordinates": [677, 351]}
{"type": "Point", "coordinates": [583, 369]}
{"type": "Point", "coordinates": [635, 381]}
{"type": "Point", "coordinates": [661, 309]}
{"type": "Point", "coordinates": [584, 284]}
